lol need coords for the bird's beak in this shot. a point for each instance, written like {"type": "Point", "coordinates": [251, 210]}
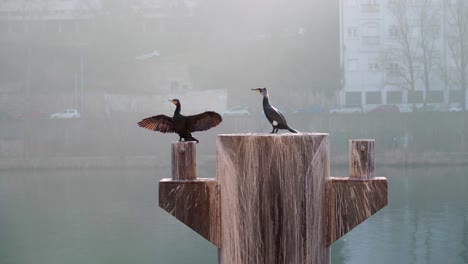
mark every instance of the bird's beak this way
{"type": "Point", "coordinates": [256, 89]}
{"type": "Point", "coordinates": [172, 101]}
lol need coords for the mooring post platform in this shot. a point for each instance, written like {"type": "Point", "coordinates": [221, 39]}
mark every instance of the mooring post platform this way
{"type": "Point", "coordinates": [353, 199]}
{"type": "Point", "coordinates": [194, 201]}
{"type": "Point", "coordinates": [273, 200]}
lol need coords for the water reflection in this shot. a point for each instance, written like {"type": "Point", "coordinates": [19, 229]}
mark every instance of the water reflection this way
{"type": "Point", "coordinates": [111, 216]}
{"type": "Point", "coordinates": [426, 220]}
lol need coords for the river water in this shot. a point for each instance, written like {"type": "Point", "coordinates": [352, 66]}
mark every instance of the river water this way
{"type": "Point", "coordinates": [111, 216]}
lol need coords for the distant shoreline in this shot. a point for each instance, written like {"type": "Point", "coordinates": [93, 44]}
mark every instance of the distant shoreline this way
{"type": "Point", "coordinates": [390, 158]}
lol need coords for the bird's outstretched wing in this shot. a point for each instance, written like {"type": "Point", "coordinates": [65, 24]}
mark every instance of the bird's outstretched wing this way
{"type": "Point", "coordinates": [203, 121]}
{"type": "Point", "coordinates": [161, 123]}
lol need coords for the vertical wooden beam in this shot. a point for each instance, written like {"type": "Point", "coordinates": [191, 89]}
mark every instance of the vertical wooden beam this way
{"type": "Point", "coordinates": [351, 200]}
{"type": "Point", "coordinates": [195, 202]}
{"type": "Point", "coordinates": [361, 158]}
{"type": "Point", "coordinates": [184, 164]}
{"type": "Point", "coordinates": [273, 198]}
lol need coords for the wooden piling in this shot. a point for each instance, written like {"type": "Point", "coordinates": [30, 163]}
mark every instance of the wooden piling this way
{"type": "Point", "coordinates": [361, 158]}
{"type": "Point", "coordinates": [273, 198]}
{"type": "Point", "coordinates": [184, 166]}
{"type": "Point", "coordinates": [351, 200]}
{"type": "Point", "coordinates": [194, 201]}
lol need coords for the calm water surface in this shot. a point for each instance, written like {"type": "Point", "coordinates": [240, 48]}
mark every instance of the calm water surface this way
{"type": "Point", "coordinates": [111, 216]}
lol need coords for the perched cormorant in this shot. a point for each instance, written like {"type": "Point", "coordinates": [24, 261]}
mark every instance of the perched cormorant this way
{"type": "Point", "coordinates": [182, 125]}
{"type": "Point", "coordinates": [273, 115]}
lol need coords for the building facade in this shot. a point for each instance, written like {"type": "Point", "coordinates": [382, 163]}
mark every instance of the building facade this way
{"type": "Point", "coordinates": [396, 52]}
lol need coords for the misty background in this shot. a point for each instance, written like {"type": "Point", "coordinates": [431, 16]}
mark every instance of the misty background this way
{"type": "Point", "coordinates": [81, 186]}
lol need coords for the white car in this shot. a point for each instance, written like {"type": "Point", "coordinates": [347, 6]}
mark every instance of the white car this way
{"type": "Point", "coordinates": [67, 113]}
{"type": "Point", "coordinates": [455, 108]}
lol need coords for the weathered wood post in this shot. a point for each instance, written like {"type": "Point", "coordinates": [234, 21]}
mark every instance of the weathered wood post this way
{"type": "Point", "coordinates": [184, 160]}
{"type": "Point", "coordinates": [351, 200]}
{"type": "Point", "coordinates": [273, 189]}
{"type": "Point", "coordinates": [273, 200]}
{"type": "Point", "coordinates": [361, 158]}
{"type": "Point", "coordinates": [193, 201]}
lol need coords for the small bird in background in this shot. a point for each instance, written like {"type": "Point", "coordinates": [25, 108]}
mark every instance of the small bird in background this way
{"type": "Point", "coordinates": [180, 124]}
{"type": "Point", "coordinates": [273, 115]}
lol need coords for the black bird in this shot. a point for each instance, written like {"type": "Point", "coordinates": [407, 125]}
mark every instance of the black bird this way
{"type": "Point", "coordinates": [182, 125]}
{"type": "Point", "coordinates": [273, 115]}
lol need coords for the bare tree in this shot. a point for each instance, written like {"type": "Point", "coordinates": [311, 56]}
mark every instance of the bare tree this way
{"type": "Point", "coordinates": [404, 54]}
{"type": "Point", "coordinates": [429, 28]}
{"type": "Point", "coordinates": [457, 42]}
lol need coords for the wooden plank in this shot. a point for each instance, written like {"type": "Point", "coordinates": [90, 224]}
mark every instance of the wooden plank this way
{"type": "Point", "coordinates": [195, 203]}
{"type": "Point", "coordinates": [184, 160]}
{"type": "Point", "coordinates": [273, 198]}
{"type": "Point", "coordinates": [351, 201]}
{"type": "Point", "coordinates": [361, 158]}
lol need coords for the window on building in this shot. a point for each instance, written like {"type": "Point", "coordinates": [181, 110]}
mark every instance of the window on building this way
{"type": "Point", "coordinates": [352, 32]}
{"type": "Point", "coordinates": [353, 64]}
{"type": "Point", "coordinates": [415, 97]}
{"type": "Point", "coordinates": [370, 6]}
{"type": "Point", "coordinates": [435, 97]}
{"type": "Point", "coordinates": [371, 29]}
{"type": "Point", "coordinates": [393, 67]}
{"type": "Point", "coordinates": [394, 97]}
{"type": "Point", "coordinates": [372, 40]}
{"type": "Point", "coordinates": [370, 33]}
{"type": "Point", "coordinates": [353, 99]}
{"type": "Point", "coordinates": [393, 32]}
{"type": "Point", "coordinates": [373, 98]}
{"type": "Point", "coordinates": [455, 96]}
{"type": "Point", "coordinates": [373, 66]}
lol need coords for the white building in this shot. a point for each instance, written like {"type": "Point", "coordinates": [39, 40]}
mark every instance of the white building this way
{"type": "Point", "coordinates": [370, 33]}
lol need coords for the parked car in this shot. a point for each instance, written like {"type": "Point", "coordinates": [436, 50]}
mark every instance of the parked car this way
{"type": "Point", "coordinates": [385, 109]}
{"type": "Point", "coordinates": [346, 110]}
{"type": "Point", "coordinates": [455, 108]}
{"type": "Point", "coordinates": [236, 110]}
{"type": "Point", "coordinates": [405, 108]}
{"type": "Point", "coordinates": [67, 113]}
{"type": "Point", "coordinates": [430, 107]}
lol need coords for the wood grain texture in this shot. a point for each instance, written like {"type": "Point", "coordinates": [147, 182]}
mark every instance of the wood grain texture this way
{"type": "Point", "coordinates": [361, 158]}
{"type": "Point", "coordinates": [184, 162]}
{"type": "Point", "coordinates": [195, 203]}
{"type": "Point", "coordinates": [350, 201]}
{"type": "Point", "coordinates": [273, 198]}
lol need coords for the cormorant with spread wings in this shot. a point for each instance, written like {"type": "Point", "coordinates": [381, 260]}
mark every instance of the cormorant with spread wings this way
{"type": "Point", "coordinates": [180, 124]}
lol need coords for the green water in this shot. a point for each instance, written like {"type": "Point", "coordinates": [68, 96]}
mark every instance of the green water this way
{"type": "Point", "coordinates": [111, 216]}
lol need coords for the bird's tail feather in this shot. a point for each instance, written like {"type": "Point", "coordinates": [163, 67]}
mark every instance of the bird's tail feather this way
{"type": "Point", "coordinates": [293, 130]}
